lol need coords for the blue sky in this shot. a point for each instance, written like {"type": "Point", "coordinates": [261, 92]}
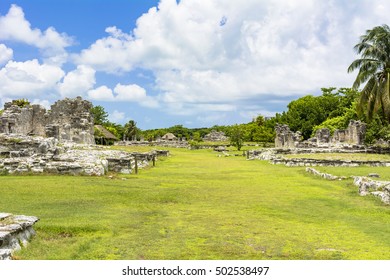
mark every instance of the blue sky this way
{"type": "Point", "coordinates": [190, 62]}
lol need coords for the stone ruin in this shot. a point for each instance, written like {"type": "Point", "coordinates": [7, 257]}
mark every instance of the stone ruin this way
{"type": "Point", "coordinates": [215, 136]}
{"type": "Point", "coordinates": [67, 120]}
{"type": "Point", "coordinates": [285, 138]}
{"type": "Point", "coordinates": [15, 233]}
{"type": "Point", "coordinates": [352, 136]}
{"type": "Point", "coordinates": [37, 155]}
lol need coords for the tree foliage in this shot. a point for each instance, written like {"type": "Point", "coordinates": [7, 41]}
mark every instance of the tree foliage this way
{"type": "Point", "coordinates": [308, 112]}
{"type": "Point", "coordinates": [99, 114]}
{"type": "Point", "coordinates": [131, 130]}
{"type": "Point", "coordinates": [21, 102]}
{"type": "Point", "coordinates": [236, 136]}
{"type": "Point", "coordinates": [374, 72]}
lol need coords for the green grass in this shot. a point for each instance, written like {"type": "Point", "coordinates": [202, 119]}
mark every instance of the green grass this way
{"type": "Point", "coordinates": [195, 205]}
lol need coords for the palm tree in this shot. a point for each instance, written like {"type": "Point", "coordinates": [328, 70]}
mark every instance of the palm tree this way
{"type": "Point", "coordinates": [374, 70]}
{"type": "Point", "coordinates": [130, 130]}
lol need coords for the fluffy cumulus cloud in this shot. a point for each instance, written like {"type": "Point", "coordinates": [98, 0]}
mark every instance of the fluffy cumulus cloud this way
{"type": "Point", "coordinates": [77, 82]}
{"type": "Point", "coordinates": [123, 93]}
{"type": "Point", "coordinates": [6, 54]}
{"type": "Point", "coordinates": [15, 27]}
{"type": "Point", "coordinates": [217, 53]}
{"type": "Point", "coordinates": [29, 79]}
{"type": "Point", "coordinates": [102, 93]}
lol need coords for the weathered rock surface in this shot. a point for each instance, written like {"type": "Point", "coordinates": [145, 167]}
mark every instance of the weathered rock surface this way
{"type": "Point", "coordinates": [15, 233]}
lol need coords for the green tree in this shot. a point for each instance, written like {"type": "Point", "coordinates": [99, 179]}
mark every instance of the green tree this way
{"type": "Point", "coordinates": [130, 130]}
{"type": "Point", "coordinates": [236, 136]}
{"type": "Point", "coordinates": [196, 137]}
{"type": "Point", "coordinates": [374, 70]}
{"type": "Point", "coordinates": [99, 114]}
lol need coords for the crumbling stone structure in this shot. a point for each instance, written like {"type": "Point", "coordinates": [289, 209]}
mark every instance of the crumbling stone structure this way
{"type": "Point", "coordinates": [353, 135]}
{"type": "Point", "coordinates": [67, 120]}
{"type": "Point", "coordinates": [215, 136]}
{"type": "Point", "coordinates": [285, 138]}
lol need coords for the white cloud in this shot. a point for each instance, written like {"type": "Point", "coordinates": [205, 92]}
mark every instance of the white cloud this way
{"type": "Point", "coordinates": [28, 79]}
{"type": "Point", "coordinates": [123, 93]}
{"type": "Point", "coordinates": [222, 51]}
{"type": "Point", "coordinates": [101, 93]}
{"type": "Point", "coordinates": [6, 54]}
{"type": "Point", "coordinates": [116, 116]}
{"type": "Point", "coordinates": [45, 103]}
{"type": "Point", "coordinates": [129, 92]}
{"type": "Point", "coordinates": [15, 27]}
{"type": "Point", "coordinates": [77, 82]}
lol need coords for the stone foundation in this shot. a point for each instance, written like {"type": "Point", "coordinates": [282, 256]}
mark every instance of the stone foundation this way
{"type": "Point", "coordinates": [15, 233]}
{"type": "Point", "coordinates": [275, 156]}
{"type": "Point", "coordinates": [26, 154]}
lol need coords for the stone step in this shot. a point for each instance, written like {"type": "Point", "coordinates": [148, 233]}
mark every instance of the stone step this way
{"type": "Point", "coordinates": [15, 233]}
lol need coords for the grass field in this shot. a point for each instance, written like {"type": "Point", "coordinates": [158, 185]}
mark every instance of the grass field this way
{"type": "Point", "coordinates": [195, 205]}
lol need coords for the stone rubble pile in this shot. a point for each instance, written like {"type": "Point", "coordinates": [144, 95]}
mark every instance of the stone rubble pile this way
{"type": "Point", "coordinates": [15, 233]}
{"type": "Point", "coordinates": [368, 186]}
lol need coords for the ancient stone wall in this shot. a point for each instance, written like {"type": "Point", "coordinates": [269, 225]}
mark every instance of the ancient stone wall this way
{"type": "Point", "coordinates": [353, 135]}
{"type": "Point", "coordinates": [68, 120]}
{"type": "Point", "coordinates": [285, 138]}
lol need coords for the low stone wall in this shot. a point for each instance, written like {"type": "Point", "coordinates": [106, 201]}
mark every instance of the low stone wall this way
{"type": "Point", "coordinates": [15, 233]}
{"type": "Point", "coordinates": [368, 186]}
{"type": "Point", "coordinates": [275, 156]}
{"type": "Point", "coordinates": [326, 176]}
{"type": "Point", "coordinates": [162, 143]}
{"type": "Point", "coordinates": [327, 162]}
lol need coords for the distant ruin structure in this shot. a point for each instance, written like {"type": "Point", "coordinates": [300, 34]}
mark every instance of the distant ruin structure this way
{"type": "Point", "coordinates": [67, 120]}
{"type": "Point", "coordinates": [215, 136]}
{"type": "Point", "coordinates": [353, 135]}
